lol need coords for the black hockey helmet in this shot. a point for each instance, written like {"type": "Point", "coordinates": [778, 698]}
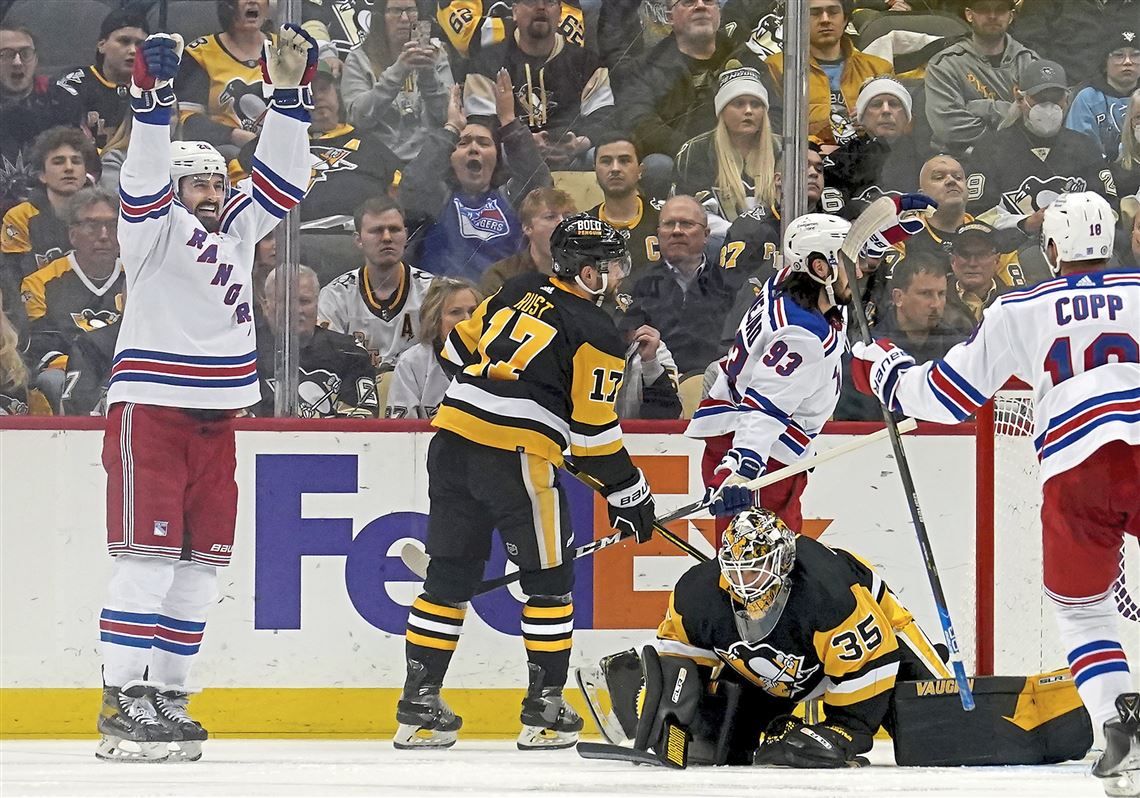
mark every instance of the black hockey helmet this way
{"type": "Point", "coordinates": [583, 240]}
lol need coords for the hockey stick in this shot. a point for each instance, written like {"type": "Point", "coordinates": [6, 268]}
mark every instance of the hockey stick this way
{"type": "Point", "coordinates": [618, 753]}
{"type": "Point", "coordinates": [852, 246]}
{"type": "Point", "coordinates": [907, 425]}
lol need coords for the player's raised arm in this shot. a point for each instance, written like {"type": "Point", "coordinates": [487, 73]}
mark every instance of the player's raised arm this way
{"type": "Point", "coordinates": [280, 176]}
{"type": "Point", "coordinates": [146, 191]}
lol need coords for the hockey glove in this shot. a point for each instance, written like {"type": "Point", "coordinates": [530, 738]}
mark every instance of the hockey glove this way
{"type": "Point", "coordinates": [876, 368]}
{"type": "Point", "coordinates": [631, 507]}
{"type": "Point", "coordinates": [156, 64]}
{"type": "Point", "coordinates": [291, 62]}
{"type": "Point", "coordinates": [790, 743]}
{"type": "Point", "coordinates": [914, 207]}
{"type": "Point", "coordinates": [726, 494]}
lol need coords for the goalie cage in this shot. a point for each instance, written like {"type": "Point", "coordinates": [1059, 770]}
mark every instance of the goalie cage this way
{"type": "Point", "coordinates": [1014, 626]}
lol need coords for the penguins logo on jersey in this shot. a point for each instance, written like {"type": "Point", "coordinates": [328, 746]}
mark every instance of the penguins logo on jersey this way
{"type": "Point", "coordinates": [318, 391]}
{"type": "Point", "coordinates": [42, 259]}
{"type": "Point", "coordinates": [779, 674]}
{"type": "Point", "coordinates": [327, 160]}
{"type": "Point", "coordinates": [89, 320]}
{"type": "Point", "coordinates": [768, 36]}
{"type": "Point", "coordinates": [485, 223]}
{"type": "Point", "coordinates": [12, 406]}
{"type": "Point", "coordinates": [538, 105]}
{"type": "Point", "coordinates": [245, 101]}
{"type": "Point", "coordinates": [1035, 193]}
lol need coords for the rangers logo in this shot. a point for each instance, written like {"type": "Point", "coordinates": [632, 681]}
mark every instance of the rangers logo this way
{"type": "Point", "coordinates": [484, 223]}
{"type": "Point", "coordinates": [161, 529]}
{"type": "Point", "coordinates": [777, 673]}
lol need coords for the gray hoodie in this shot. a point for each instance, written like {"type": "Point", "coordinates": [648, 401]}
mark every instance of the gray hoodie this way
{"type": "Point", "coordinates": [966, 96]}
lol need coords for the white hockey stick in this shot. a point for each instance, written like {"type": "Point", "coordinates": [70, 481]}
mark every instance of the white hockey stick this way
{"type": "Point", "coordinates": [906, 425]}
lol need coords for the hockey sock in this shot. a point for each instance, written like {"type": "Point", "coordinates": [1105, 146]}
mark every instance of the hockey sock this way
{"type": "Point", "coordinates": [1096, 657]}
{"type": "Point", "coordinates": [433, 632]}
{"type": "Point", "coordinates": [547, 630]}
{"type": "Point", "coordinates": [127, 622]}
{"type": "Point", "coordinates": [181, 622]}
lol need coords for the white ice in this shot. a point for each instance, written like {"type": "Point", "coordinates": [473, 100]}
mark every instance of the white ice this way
{"type": "Point", "coordinates": [484, 768]}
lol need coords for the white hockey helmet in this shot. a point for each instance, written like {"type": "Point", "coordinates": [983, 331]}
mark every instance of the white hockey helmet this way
{"type": "Point", "coordinates": [756, 559]}
{"type": "Point", "coordinates": [818, 234]}
{"type": "Point", "coordinates": [195, 158]}
{"type": "Point", "coordinates": [1080, 225]}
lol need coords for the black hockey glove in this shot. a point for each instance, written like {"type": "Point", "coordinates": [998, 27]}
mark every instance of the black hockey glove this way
{"type": "Point", "coordinates": [631, 507]}
{"type": "Point", "coordinates": [788, 742]}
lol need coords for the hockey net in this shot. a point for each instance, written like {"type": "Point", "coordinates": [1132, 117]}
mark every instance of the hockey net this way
{"type": "Point", "coordinates": [1015, 629]}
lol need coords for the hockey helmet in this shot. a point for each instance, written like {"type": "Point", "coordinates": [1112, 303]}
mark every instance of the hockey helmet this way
{"type": "Point", "coordinates": [582, 240]}
{"type": "Point", "coordinates": [815, 234]}
{"type": "Point", "coordinates": [195, 158]}
{"type": "Point", "coordinates": [756, 559]}
{"type": "Point", "coordinates": [1080, 225]}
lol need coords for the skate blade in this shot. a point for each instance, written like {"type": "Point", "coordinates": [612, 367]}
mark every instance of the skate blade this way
{"type": "Point", "coordinates": [409, 737]}
{"type": "Point", "coordinates": [1122, 785]}
{"type": "Point", "coordinates": [184, 751]}
{"type": "Point", "coordinates": [114, 749]}
{"type": "Point", "coordinates": [537, 738]}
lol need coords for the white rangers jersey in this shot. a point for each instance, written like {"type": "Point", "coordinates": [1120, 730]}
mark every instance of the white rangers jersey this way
{"type": "Point", "coordinates": [417, 385]}
{"type": "Point", "coordinates": [347, 305]}
{"type": "Point", "coordinates": [186, 338]}
{"type": "Point", "coordinates": [779, 383]}
{"type": "Point", "coordinates": [1075, 339]}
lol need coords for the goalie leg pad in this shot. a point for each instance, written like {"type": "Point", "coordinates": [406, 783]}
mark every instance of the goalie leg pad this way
{"type": "Point", "coordinates": [622, 673]}
{"type": "Point", "coordinates": [672, 695]}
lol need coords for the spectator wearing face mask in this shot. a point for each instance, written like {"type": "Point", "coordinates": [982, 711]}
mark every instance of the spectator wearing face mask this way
{"type": "Point", "coordinates": [1018, 170]}
{"type": "Point", "coordinates": [1099, 109]}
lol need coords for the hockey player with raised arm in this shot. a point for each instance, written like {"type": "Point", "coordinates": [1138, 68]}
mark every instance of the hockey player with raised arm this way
{"type": "Point", "coordinates": [185, 363]}
{"type": "Point", "coordinates": [1076, 340]}
{"type": "Point", "coordinates": [782, 377]}
{"type": "Point", "coordinates": [776, 619]}
{"type": "Point", "coordinates": [538, 368]}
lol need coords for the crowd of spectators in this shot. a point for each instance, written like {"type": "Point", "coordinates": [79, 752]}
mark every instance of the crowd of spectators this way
{"type": "Point", "coordinates": [450, 137]}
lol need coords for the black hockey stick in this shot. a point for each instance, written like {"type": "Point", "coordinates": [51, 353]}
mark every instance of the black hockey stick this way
{"type": "Point", "coordinates": [416, 559]}
{"type": "Point", "coordinates": [852, 246]}
{"type": "Point", "coordinates": [618, 753]}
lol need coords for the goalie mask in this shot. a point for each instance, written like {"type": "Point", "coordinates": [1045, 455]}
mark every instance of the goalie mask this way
{"type": "Point", "coordinates": [1080, 225]}
{"type": "Point", "coordinates": [756, 560]}
{"type": "Point", "coordinates": [580, 241]}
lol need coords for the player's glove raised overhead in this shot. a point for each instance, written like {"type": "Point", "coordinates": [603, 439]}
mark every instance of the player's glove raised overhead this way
{"type": "Point", "coordinates": [726, 494]}
{"type": "Point", "coordinates": [631, 507]}
{"type": "Point", "coordinates": [287, 67]}
{"type": "Point", "coordinates": [876, 368]}
{"type": "Point", "coordinates": [156, 64]}
{"type": "Point", "coordinates": [909, 212]}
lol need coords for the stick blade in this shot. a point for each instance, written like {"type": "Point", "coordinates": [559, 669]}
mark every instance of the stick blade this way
{"type": "Point", "coordinates": [873, 218]}
{"type": "Point", "coordinates": [416, 559]}
{"type": "Point", "coordinates": [618, 753]}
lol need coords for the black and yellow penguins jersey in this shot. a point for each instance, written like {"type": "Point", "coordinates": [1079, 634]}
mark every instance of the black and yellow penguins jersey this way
{"type": "Point", "coordinates": [31, 235]}
{"type": "Point", "coordinates": [63, 303]}
{"type": "Point", "coordinates": [337, 378]}
{"type": "Point", "coordinates": [470, 26]}
{"type": "Point", "coordinates": [93, 101]}
{"type": "Point", "coordinates": [212, 81]}
{"type": "Point", "coordinates": [539, 370]}
{"type": "Point", "coordinates": [640, 235]}
{"type": "Point", "coordinates": [842, 634]}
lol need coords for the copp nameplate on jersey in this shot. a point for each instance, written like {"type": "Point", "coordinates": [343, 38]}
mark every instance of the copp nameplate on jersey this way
{"type": "Point", "coordinates": [1019, 720]}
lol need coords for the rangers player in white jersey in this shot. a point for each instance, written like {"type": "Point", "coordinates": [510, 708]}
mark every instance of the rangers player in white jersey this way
{"type": "Point", "coordinates": [185, 363]}
{"type": "Point", "coordinates": [379, 303]}
{"type": "Point", "coordinates": [1076, 340]}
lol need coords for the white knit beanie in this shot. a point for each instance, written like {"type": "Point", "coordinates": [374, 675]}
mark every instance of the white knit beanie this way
{"type": "Point", "coordinates": [882, 86]}
{"type": "Point", "coordinates": [737, 83]}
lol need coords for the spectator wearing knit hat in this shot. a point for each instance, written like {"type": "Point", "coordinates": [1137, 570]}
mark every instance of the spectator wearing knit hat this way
{"type": "Point", "coordinates": [1098, 110]}
{"type": "Point", "coordinates": [95, 96]}
{"type": "Point", "coordinates": [731, 168]}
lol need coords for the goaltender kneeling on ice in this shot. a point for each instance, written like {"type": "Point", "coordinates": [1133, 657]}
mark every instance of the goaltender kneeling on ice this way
{"type": "Point", "coordinates": [779, 619]}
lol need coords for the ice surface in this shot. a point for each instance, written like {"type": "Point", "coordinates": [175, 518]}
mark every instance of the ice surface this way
{"type": "Point", "coordinates": [485, 768]}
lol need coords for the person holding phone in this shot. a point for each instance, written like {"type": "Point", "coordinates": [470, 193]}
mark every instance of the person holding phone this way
{"type": "Point", "coordinates": [398, 81]}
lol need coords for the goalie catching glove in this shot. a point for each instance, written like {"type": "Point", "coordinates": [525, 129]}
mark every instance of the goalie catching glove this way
{"type": "Point", "coordinates": [288, 66]}
{"type": "Point", "coordinates": [788, 742]}
{"type": "Point", "coordinates": [727, 494]}
{"type": "Point", "coordinates": [156, 65]}
{"type": "Point", "coordinates": [631, 507]}
{"type": "Point", "coordinates": [876, 368]}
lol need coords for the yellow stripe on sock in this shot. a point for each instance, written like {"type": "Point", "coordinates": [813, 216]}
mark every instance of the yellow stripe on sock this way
{"type": "Point", "coordinates": [563, 611]}
{"type": "Point", "coordinates": [430, 642]}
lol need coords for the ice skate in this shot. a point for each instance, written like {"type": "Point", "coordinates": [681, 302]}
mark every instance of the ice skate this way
{"type": "Point", "coordinates": [548, 721]}
{"type": "Point", "coordinates": [130, 726]}
{"type": "Point", "coordinates": [186, 733]}
{"type": "Point", "coordinates": [426, 721]}
{"type": "Point", "coordinates": [1119, 766]}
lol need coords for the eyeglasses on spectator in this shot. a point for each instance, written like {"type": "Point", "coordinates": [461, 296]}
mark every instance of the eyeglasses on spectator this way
{"type": "Point", "coordinates": [692, 3]}
{"type": "Point", "coordinates": [96, 226]}
{"type": "Point", "coordinates": [1120, 56]}
{"type": "Point", "coordinates": [8, 54]}
{"type": "Point", "coordinates": [402, 11]}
